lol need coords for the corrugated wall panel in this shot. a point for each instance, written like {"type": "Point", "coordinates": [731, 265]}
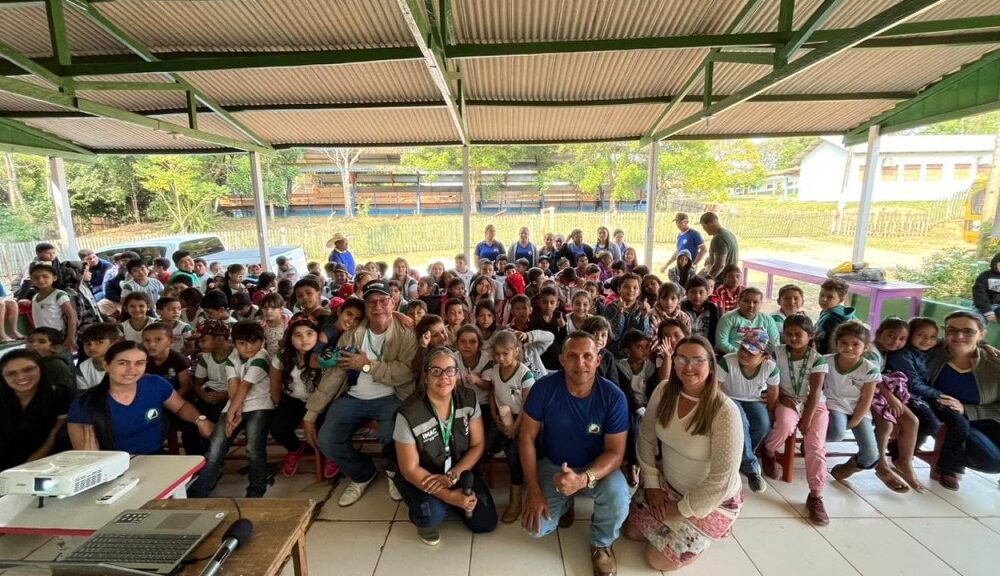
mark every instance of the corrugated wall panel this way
{"type": "Point", "coordinates": [594, 75]}
{"type": "Point", "coordinates": [355, 127]}
{"type": "Point", "coordinates": [496, 123]}
{"type": "Point", "coordinates": [398, 81]}
{"type": "Point", "coordinates": [100, 133]}
{"type": "Point", "coordinates": [765, 118]}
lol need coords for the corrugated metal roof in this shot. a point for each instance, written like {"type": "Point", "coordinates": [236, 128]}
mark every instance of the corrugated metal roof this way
{"type": "Point", "coordinates": [11, 102]}
{"type": "Point", "coordinates": [104, 134]}
{"type": "Point", "coordinates": [250, 25]}
{"type": "Point", "coordinates": [773, 118]}
{"type": "Point", "coordinates": [593, 75]}
{"type": "Point", "coordinates": [882, 69]}
{"type": "Point", "coordinates": [502, 124]}
{"type": "Point", "coordinates": [852, 12]}
{"type": "Point", "coordinates": [394, 81]}
{"type": "Point", "coordinates": [360, 127]}
{"type": "Point", "coordinates": [24, 26]}
{"type": "Point", "coordinates": [487, 21]}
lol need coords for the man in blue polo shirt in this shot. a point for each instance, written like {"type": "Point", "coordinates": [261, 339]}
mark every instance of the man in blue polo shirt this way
{"type": "Point", "coordinates": [689, 239]}
{"type": "Point", "coordinates": [582, 420]}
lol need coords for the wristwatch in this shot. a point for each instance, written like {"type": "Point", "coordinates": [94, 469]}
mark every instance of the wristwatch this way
{"type": "Point", "coordinates": [591, 478]}
{"type": "Point", "coordinates": [452, 477]}
{"type": "Point", "coordinates": [201, 418]}
{"type": "Point", "coordinates": [366, 368]}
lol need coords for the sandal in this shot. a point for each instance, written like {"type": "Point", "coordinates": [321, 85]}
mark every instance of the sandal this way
{"type": "Point", "coordinates": [911, 479]}
{"type": "Point", "coordinates": [892, 481]}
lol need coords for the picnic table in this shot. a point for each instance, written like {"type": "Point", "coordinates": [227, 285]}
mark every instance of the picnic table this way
{"type": "Point", "coordinates": [877, 293]}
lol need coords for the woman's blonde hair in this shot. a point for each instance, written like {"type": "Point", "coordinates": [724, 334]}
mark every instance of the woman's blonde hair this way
{"type": "Point", "coordinates": [711, 399]}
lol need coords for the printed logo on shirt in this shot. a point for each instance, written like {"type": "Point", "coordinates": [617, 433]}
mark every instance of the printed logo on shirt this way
{"type": "Point", "coordinates": [152, 414]}
{"type": "Point", "coordinates": [594, 428]}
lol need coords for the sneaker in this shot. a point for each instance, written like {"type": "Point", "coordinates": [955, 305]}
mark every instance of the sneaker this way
{"type": "Point", "coordinates": [290, 465]}
{"type": "Point", "coordinates": [817, 511]}
{"type": "Point", "coordinates": [330, 469]}
{"type": "Point", "coordinates": [394, 492]}
{"type": "Point", "coordinates": [429, 536]}
{"type": "Point", "coordinates": [603, 560]}
{"type": "Point", "coordinates": [353, 492]}
{"type": "Point", "coordinates": [756, 483]}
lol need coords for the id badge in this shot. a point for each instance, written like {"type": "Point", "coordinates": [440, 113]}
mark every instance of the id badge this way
{"type": "Point", "coordinates": [447, 465]}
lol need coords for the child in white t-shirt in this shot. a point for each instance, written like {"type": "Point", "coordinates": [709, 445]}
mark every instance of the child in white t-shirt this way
{"type": "Point", "coordinates": [136, 309]}
{"type": "Point", "coordinates": [51, 307]}
{"type": "Point", "coordinates": [96, 338]}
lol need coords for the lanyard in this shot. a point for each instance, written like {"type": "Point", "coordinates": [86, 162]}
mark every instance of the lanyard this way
{"type": "Point", "coordinates": [798, 378]}
{"type": "Point", "coordinates": [445, 427]}
{"type": "Point", "coordinates": [371, 346]}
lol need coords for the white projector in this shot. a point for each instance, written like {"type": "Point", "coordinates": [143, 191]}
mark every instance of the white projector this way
{"type": "Point", "coordinates": [64, 474]}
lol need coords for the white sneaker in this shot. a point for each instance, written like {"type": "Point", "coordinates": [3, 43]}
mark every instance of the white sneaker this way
{"type": "Point", "coordinates": [353, 492]}
{"type": "Point", "coordinates": [394, 492]}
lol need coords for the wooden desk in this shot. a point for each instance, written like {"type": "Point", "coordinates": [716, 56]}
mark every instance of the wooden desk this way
{"type": "Point", "coordinates": [279, 531]}
{"type": "Point", "coordinates": [159, 477]}
{"type": "Point", "coordinates": [876, 293]}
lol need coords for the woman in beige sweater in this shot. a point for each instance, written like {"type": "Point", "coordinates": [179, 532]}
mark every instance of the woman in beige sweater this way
{"type": "Point", "coordinates": [690, 444]}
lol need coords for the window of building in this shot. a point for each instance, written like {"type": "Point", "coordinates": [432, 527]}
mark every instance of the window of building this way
{"type": "Point", "coordinates": [911, 173]}
{"type": "Point", "coordinates": [890, 173]}
{"type": "Point", "coordinates": [933, 172]}
{"type": "Point", "coordinates": [963, 171]}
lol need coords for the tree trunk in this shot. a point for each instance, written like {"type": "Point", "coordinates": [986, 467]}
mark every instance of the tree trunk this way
{"type": "Point", "coordinates": [345, 183]}
{"type": "Point", "coordinates": [134, 197]}
{"type": "Point", "coordinates": [14, 191]}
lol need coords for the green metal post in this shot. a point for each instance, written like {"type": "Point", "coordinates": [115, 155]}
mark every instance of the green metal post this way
{"type": "Point", "coordinates": [192, 110]}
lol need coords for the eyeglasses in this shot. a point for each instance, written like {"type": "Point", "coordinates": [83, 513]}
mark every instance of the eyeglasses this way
{"type": "Point", "coordinates": [451, 371]}
{"type": "Point", "coordinates": [963, 332]}
{"type": "Point", "coordinates": [11, 374]}
{"type": "Point", "coordinates": [697, 362]}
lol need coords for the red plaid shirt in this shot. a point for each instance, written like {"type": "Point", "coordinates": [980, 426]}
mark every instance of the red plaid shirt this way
{"type": "Point", "coordinates": [725, 298]}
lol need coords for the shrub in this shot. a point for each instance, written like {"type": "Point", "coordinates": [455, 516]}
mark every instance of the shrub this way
{"type": "Point", "coordinates": [948, 274]}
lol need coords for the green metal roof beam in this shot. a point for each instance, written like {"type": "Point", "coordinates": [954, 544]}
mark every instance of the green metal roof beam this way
{"type": "Point", "coordinates": [958, 39]}
{"type": "Point", "coordinates": [815, 21]}
{"type": "Point", "coordinates": [416, 18]}
{"type": "Point", "coordinates": [875, 25]}
{"type": "Point", "coordinates": [18, 59]}
{"type": "Point", "coordinates": [56, 16]}
{"type": "Point", "coordinates": [973, 89]}
{"type": "Point", "coordinates": [49, 140]}
{"type": "Point", "coordinates": [116, 32]}
{"type": "Point", "coordinates": [747, 12]}
{"type": "Point", "coordinates": [22, 139]}
{"type": "Point", "coordinates": [129, 86]}
{"type": "Point", "coordinates": [928, 27]}
{"type": "Point", "coordinates": [762, 58]}
{"type": "Point", "coordinates": [786, 16]}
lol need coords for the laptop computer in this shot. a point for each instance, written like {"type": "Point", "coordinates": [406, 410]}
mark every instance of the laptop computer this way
{"type": "Point", "coordinates": [135, 542]}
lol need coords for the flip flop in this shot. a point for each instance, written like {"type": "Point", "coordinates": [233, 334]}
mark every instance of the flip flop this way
{"type": "Point", "coordinates": [913, 482]}
{"type": "Point", "coordinates": [892, 481]}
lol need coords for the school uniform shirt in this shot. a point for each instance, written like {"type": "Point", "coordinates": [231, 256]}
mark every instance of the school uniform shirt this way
{"type": "Point", "coordinates": [181, 331]}
{"type": "Point", "coordinates": [135, 335]}
{"type": "Point", "coordinates": [843, 389]}
{"type": "Point", "coordinates": [482, 396]}
{"type": "Point", "coordinates": [256, 371]}
{"type": "Point", "coordinates": [797, 372]}
{"type": "Point", "coordinates": [509, 392]}
{"type": "Point", "coordinates": [216, 372]}
{"type": "Point", "coordinates": [273, 335]}
{"type": "Point", "coordinates": [171, 368]}
{"type": "Point", "coordinates": [638, 381]}
{"type": "Point", "coordinates": [138, 427]}
{"type": "Point", "coordinates": [466, 277]}
{"type": "Point", "coordinates": [193, 320]}
{"type": "Point", "coordinates": [88, 375]}
{"type": "Point", "coordinates": [48, 311]}
{"type": "Point", "coordinates": [299, 389]}
{"type": "Point", "coordinates": [746, 387]}
{"type": "Point", "coordinates": [152, 288]}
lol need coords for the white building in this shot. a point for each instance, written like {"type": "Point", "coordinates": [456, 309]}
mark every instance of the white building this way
{"type": "Point", "coordinates": [911, 168]}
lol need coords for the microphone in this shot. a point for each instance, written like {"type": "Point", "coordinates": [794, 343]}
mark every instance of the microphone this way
{"type": "Point", "coordinates": [465, 481]}
{"type": "Point", "coordinates": [235, 536]}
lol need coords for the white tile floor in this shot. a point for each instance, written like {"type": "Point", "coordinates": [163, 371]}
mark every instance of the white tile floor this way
{"type": "Point", "coordinates": [873, 532]}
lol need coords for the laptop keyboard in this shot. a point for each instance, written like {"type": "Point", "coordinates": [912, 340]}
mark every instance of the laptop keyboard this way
{"type": "Point", "coordinates": [144, 549]}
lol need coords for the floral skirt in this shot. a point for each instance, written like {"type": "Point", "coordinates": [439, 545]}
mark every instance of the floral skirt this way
{"type": "Point", "coordinates": [897, 383]}
{"type": "Point", "coordinates": [682, 540]}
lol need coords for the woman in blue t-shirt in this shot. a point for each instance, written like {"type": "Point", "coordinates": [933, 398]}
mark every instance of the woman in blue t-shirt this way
{"type": "Point", "coordinates": [125, 411]}
{"type": "Point", "coordinates": [523, 248]}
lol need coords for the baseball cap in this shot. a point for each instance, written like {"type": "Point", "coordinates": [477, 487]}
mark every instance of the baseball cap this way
{"type": "Point", "coordinates": [376, 287]}
{"type": "Point", "coordinates": [211, 328]}
{"type": "Point", "coordinates": [755, 341]}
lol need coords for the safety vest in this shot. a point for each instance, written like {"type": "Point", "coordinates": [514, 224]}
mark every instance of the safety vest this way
{"type": "Point", "coordinates": [423, 422]}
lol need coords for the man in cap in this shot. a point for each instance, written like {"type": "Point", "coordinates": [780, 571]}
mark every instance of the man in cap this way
{"type": "Point", "coordinates": [372, 378]}
{"type": "Point", "coordinates": [689, 239]}
{"type": "Point", "coordinates": [340, 254]}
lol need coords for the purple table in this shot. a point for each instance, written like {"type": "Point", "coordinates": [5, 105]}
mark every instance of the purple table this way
{"type": "Point", "coordinates": [876, 293]}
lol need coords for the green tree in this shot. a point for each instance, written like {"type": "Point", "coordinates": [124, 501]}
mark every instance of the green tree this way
{"type": "Point", "coordinates": [618, 168]}
{"type": "Point", "coordinates": [710, 169]}
{"type": "Point", "coordinates": [108, 189]}
{"type": "Point", "coordinates": [784, 153]}
{"type": "Point", "coordinates": [184, 190]}
{"type": "Point", "coordinates": [277, 170]}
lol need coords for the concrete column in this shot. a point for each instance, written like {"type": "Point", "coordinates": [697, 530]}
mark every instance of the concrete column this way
{"type": "Point", "coordinates": [467, 210]}
{"type": "Point", "coordinates": [257, 184]}
{"type": "Point", "coordinates": [867, 192]}
{"type": "Point", "coordinates": [60, 199]}
{"type": "Point", "coordinates": [651, 184]}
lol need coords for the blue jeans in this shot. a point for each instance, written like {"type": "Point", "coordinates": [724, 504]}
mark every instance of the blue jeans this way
{"type": "Point", "coordinates": [343, 418]}
{"type": "Point", "coordinates": [974, 443]}
{"type": "Point", "coordinates": [864, 433]}
{"type": "Point", "coordinates": [428, 511]}
{"type": "Point", "coordinates": [256, 424]}
{"type": "Point", "coordinates": [756, 425]}
{"type": "Point", "coordinates": [611, 502]}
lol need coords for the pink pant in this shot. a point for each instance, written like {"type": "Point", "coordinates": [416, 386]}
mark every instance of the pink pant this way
{"type": "Point", "coordinates": [786, 420]}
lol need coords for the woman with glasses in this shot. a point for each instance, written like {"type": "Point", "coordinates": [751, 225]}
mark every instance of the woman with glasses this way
{"type": "Point", "coordinates": [439, 438]}
{"type": "Point", "coordinates": [32, 412]}
{"type": "Point", "coordinates": [690, 444]}
{"type": "Point", "coordinates": [968, 383]}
